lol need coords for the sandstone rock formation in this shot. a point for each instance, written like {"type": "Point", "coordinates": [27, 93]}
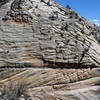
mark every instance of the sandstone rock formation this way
{"type": "Point", "coordinates": [46, 40]}
{"type": "Point", "coordinates": [32, 31]}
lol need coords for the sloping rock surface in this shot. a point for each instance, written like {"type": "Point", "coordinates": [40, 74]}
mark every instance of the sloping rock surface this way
{"type": "Point", "coordinates": [53, 84]}
{"type": "Point", "coordinates": [34, 31]}
{"type": "Point", "coordinates": [53, 51]}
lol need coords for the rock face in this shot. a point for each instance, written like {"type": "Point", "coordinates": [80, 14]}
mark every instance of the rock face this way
{"type": "Point", "coordinates": [53, 84]}
{"type": "Point", "coordinates": [39, 31]}
{"type": "Point", "coordinates": [47, 39]}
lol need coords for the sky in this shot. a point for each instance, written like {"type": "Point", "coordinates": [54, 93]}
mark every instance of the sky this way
{"type": "Point", "coordinates": [89, 9]}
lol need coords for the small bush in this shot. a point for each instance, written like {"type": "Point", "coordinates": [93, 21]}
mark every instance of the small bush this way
{"type": "Point", "coordinates": [82, 31]}
{"type": "Point", "coordinates": [71, 17]}
{"type": "Point", "coordinates": [14, 92]}
{"type": "Point", "coordinates": [76, 17]}
{"type": "Point", "coordinates": [80, 19]}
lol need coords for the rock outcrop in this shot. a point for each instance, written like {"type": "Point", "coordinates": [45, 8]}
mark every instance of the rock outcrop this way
{"type": "Point", "coordinates": [52, 84]}
{"type": "Point", "coordinates": [38, 31]}
{"type": "Point", "coordinates": [57, 48]}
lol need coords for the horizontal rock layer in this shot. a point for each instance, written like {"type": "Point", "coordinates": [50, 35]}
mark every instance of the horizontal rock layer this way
{"type": "Point", "coordinates": [49, 49]}
{"type": "Point", "coordinates": [54, 84]}
{"type": "Point", "coordinates": [37, 31]}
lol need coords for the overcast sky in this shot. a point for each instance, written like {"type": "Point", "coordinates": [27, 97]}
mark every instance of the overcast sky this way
{"type": "Point", "coordinates": [90, 9]}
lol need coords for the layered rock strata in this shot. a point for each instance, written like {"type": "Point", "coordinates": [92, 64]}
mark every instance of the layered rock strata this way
{"type": "Point", "coordinates": [54, 52]}
{"type": "Point", "coordinates": [33, 31]}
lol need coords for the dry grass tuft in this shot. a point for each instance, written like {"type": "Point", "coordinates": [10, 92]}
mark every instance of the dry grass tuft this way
{"type": "Point", "coordinates": [14, 92]}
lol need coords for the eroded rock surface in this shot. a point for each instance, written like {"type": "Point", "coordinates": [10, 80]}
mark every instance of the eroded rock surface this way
{"type": "Point", "coordinates": [35, 31]}
{"type": "Point", "coordinates": [54, 84]}
{"type": "Point", "coordinates": [57, 48]}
